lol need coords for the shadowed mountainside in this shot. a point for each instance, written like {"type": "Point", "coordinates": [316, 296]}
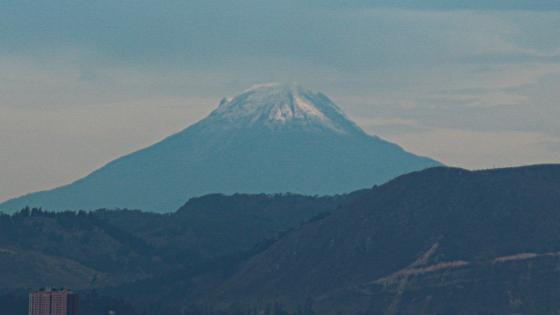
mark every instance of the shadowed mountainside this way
{"type": "Point", "coordinates": [439, 241]}
{"type": "Point", "coordinates": [109, 247]}
{"type": "Point", "coordinates": [429, 242]}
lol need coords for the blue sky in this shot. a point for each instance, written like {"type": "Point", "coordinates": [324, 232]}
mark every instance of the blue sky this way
{"type": "Point", "coordinates": [471, 83]}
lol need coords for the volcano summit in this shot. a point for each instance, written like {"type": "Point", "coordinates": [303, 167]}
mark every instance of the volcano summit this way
{"type": "Point", "coordinates": [269, 139]}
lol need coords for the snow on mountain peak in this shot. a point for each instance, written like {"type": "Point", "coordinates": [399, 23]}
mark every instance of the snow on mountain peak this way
{"type": "Point", "coordinates": [273, 105]}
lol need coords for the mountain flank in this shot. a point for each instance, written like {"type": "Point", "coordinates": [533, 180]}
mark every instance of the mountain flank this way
{"type": "Point", "coordinates": [269, 139]}
{"type": "Point", "coordinates": [439, 241]}
{"type": "Point", "coordinates": [88, 250]}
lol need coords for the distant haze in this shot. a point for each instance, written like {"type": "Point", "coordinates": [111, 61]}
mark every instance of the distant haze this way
{"type": "Point", "coordinates": [472, 84]}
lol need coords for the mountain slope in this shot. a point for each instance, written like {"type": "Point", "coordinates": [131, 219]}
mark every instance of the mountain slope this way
{"type": "Point", "coordinates": [269, 139]}
{"type": "Point", "coordinates": [107, 247]}
{"type": "Point", "coordinates": [438, 241]}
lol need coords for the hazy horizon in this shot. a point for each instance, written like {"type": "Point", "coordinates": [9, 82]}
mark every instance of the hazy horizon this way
{"type": "Point", "coordinates": [471, 85]}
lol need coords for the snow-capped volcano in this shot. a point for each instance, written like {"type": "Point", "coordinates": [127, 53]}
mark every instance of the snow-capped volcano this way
{"type": "Point", "coordinates": [271, 138]}
{"type": "Point", "coordinates": [275, 105]}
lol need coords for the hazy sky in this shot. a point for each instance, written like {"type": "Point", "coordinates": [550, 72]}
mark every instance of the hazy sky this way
{"type": "Point", "coordinates": [472, 83]}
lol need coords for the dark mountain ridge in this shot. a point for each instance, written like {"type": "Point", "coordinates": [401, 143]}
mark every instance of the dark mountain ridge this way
{"type": "Point", "coordinates": [110, 247]}
{"type": "Point", "coordinates": [387, 250]}
{"type": "Point", "coordinates": [439, 241]}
